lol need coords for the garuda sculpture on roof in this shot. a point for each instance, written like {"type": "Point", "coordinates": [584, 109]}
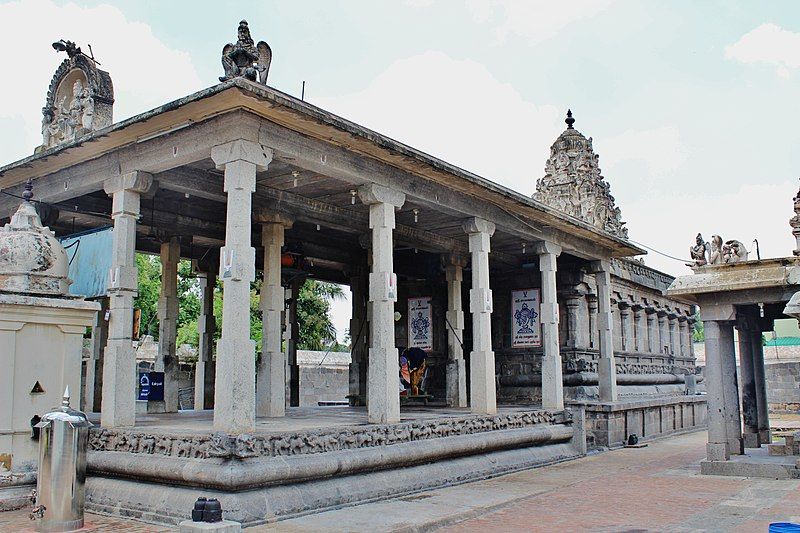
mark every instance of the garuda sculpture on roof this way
{"type": "Point", "coordinates": [245, 59]}
{"type": "Point", "coordinates": [573, 184]}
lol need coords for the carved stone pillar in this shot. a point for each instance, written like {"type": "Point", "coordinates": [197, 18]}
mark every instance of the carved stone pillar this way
{"type": "Point", "coordinates": [271, 374]}
{"type": "Point", "coordinates": [235, 388]}
{"type": "Point", "coordinates": [552, 381]}
{"type": "Point", "coordinates": [606, 365]}
{"type": "Point", "coordinates": [717, 447]}
{"type": "Point", "coordinates": [119, 366]}
{"type": "Point", "coordinates": [674, 341]}
{"type": "Point", "coordinates": [456, 367]}
{"type": "Point", "coordinates": [663, 334]}
{"type": "Point", "coordinates": [764, 433]}
{"type": "Point", "coordinates": [591, 303]}
{"type": "Point", "coordinates": [483, 396]}
{"type": "Point", "coordinates": [206, 324]}
{"type": "Point", "coordinates": [383, 400]}
{"type": "Point", "coordinates": [94, 364]}
{"type": "Point", "coordinates": [358, 335]}
{"type": "Point", "coordinates": [683, 336]}
{"type": "Point", "coordinates": [745, 326]}
{"type": "Point", "coordinates": [167, 360]}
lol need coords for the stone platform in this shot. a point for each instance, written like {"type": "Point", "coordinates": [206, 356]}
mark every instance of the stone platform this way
{"type": "Point", "coordinates": [313, 459]}
{"type": "Point", "coordinates": [756, 462]}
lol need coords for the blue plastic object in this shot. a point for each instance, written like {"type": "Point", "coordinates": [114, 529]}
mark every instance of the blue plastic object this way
{"type": "Point", "coordinates": [784, 527]}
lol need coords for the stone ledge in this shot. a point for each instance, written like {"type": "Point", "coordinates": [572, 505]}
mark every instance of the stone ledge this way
{"type": "Point", "coordinates": [640, 404]}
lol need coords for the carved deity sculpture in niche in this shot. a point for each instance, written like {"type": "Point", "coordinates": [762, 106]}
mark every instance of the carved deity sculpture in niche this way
{"type": "Point", "coordinates": [246, 59]}
{"type": "Point", "coordinates": [79, 100]}
{"type": "Point", "coordinates": [574, 185]}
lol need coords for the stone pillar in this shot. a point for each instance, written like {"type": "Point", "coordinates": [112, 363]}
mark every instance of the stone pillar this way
{"type": "Point", "coordinates": [552, 381]}
{"type": "Point", "coordinates": [663, 334]}
{"type": "Point", "coordinates": [749, 402]}
{"type": "Point", "coordinates": [639, 332]}
{"type": "Point", "coordinates": [626, 329]}
{"type": "Point", "coordinates": [119, 360]}
{"type": "Point", "coordinates": [167, 360]}
{"type": "Point", "coordinates": [673, 334]}
{"type": "Point", "coordinates": [606, 365]}
{"type": "Point", "coordinates": [591, 303]}
{"type": "Point", "coordinates": [482, 387]}
{"type": "Point", "coordinates": [358, 336]}
{"type": "Point", "coordinates": [684, 337]}
{"type": "Point", "coordinates": [235, 388]}
{"type": "Point", "coordinates": [271, 373]}
{"type": "Point", "coordinates": [293, 333]}
{"type": "Point", "coordinates": [717, 447]}
{"type": "Point", "coordinates": [383, 397]}
{"type": "Point", "coordinates": [652, 334]}
{"type": "Point", "coordinates": [730, 387]}
{"type": "Point", "coordinates": [572, 302]}
{"type": "Point", "coordinates": [94, 363]}
{"type": "Point", "coordinates": [456, 367]}
{"type": "Point", "coordinates": [759, 378]}
{"type": "Point", "coordinates": [206, 324]}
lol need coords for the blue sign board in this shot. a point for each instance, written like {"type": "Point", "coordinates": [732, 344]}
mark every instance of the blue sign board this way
{"type": "Point", "coordinates": [89, 255]}
{"type": "Point", "coordinates": [151, 386]}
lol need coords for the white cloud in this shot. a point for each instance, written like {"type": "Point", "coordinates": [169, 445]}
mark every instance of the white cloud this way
{"type": "Point", "coordinates": [660, 150]}
{"type": "Point", "coordinates": [145, 72]}
{"type": "Point", "coordinates": [770, 44]}
{"type": "Point", "coordinates": [458, 111]}
{"type": "Point", "coordinates": [534, 20]}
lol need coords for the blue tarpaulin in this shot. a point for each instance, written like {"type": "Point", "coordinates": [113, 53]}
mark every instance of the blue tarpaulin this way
{"type": "Point", "coordinates": [89, 254]}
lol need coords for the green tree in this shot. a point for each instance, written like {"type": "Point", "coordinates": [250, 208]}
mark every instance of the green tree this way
{"type": "Point", "coordinates": [317, 331]}
{"type": "Point", "coordinates": [698, 333]}
{"type": "Point", "coordinates": [149, 287]}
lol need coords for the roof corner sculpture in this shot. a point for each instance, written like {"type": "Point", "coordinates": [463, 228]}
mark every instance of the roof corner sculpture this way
{"type": "Point", "coordinates": [79, 100]}
{"type": "Point", "coordinates": [573, 184]}
{"type": "Point", "coordinates": [245, 59]}
{"type": "Point", "coordinates": [794, 222]}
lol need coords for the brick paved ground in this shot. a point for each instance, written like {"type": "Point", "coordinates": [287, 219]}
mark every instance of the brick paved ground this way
{"type": "Point", "coordinates": [657, 488]}
{"type": "Point", "coordinates": [18, 521]}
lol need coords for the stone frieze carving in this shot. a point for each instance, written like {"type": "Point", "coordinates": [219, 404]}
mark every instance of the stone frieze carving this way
{"type": "Point", "coordinates": [574, 185]}
{"type": "Point", "coordinates": [220, 445]}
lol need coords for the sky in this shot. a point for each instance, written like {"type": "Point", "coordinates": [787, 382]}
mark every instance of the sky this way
{"type": "Point", "coordinates": [690, 104]}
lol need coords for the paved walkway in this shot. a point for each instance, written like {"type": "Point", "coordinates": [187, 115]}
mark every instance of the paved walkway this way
{"type": "Point", "coordinates": [657, 488]}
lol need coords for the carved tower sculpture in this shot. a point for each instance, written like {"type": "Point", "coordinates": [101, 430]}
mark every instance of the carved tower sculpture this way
{"type": "Point", "coordinates": [80, 98]}
{"type": "Point", "coordinates": [573, 184]}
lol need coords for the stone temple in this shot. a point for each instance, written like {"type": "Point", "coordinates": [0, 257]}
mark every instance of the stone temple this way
{"type": "Point", "coordinates": [544, 337]}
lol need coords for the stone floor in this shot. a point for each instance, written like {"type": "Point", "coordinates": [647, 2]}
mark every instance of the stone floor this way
{"type": "Point", "coordinates": [656, 488]}
{"type": "Point", "coordinates": [296, 419]}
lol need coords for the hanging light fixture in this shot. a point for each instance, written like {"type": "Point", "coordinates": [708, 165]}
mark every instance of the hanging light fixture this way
{"type": "Point", "coordinates": [352, 197]}
{"type": "Point", "coordinates": [416, 215]}
{"type": "Point", "coordinates": [295, 174]}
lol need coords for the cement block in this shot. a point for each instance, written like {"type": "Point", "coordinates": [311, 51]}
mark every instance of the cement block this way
{"type": "Point", "coordinates": [751, 440]}
{"type": "Point", "coordinates": [717, 451]}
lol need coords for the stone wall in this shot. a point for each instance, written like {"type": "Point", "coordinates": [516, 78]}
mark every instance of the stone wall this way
{"type": "Point", "coordinates": [323, 377]}
{"type": "Point", "coordinates": [608, 426]}
{"type": "Point", "coordinates": [783, 386]}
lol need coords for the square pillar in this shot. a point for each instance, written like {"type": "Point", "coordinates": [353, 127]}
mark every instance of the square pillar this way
{"type": "Point", "coordinates": [358, 336]}
{"type": "Point", "coordinates": [118, 407]}
{"type": "Point", "coordinates": [235, 387]}
{"type": "Point", "coordinates": [552, 381]}
{"type": "Point", "coordinates": [652, 333]}
{"type": "Point", "coordinates": [730, 388]}
{"type": "Point", "coordinates": [674, 341]}
{"type": "Point", "coordinates": [626, 326]}
{"type": "Point", "coordinates": [684, 336]}
{"type": "Point", "coordinates": [717, 447]}
{"type": "Point", "coordinates": [759, 378]}
{"type": "Point", "coordinates": [749, 401]}
{"type": "Point", "coordinates": [482, 386]}
{"type": "Point", "coordinates": [606, 365]}
{"type": "Point", "coordinates": [292, 337]}
{"type": "Point", "coordinates": [456, 366]}
{"type": "Point", "coordinates": [383, 381]}
{"type": "Point", "coordinates": [95, 361]}
{"type": "Point", "coordinates": [271, 374]}
{"type": "Point", "coordinates": [663, 333]}
{"type": "Point", "coordinates": [206, 324]}
{"type": "Point", "coordinates": [167, 359]}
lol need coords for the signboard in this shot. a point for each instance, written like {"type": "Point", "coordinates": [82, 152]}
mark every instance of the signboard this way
{"type": "Point", "coordinates": [89, 256]}
{"type": "Point", "coordinates": [151, 386]}
{"type": "Point", "coordinates": [420, 323]}
{"type": "Point", "coordinates": [526, 328]}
